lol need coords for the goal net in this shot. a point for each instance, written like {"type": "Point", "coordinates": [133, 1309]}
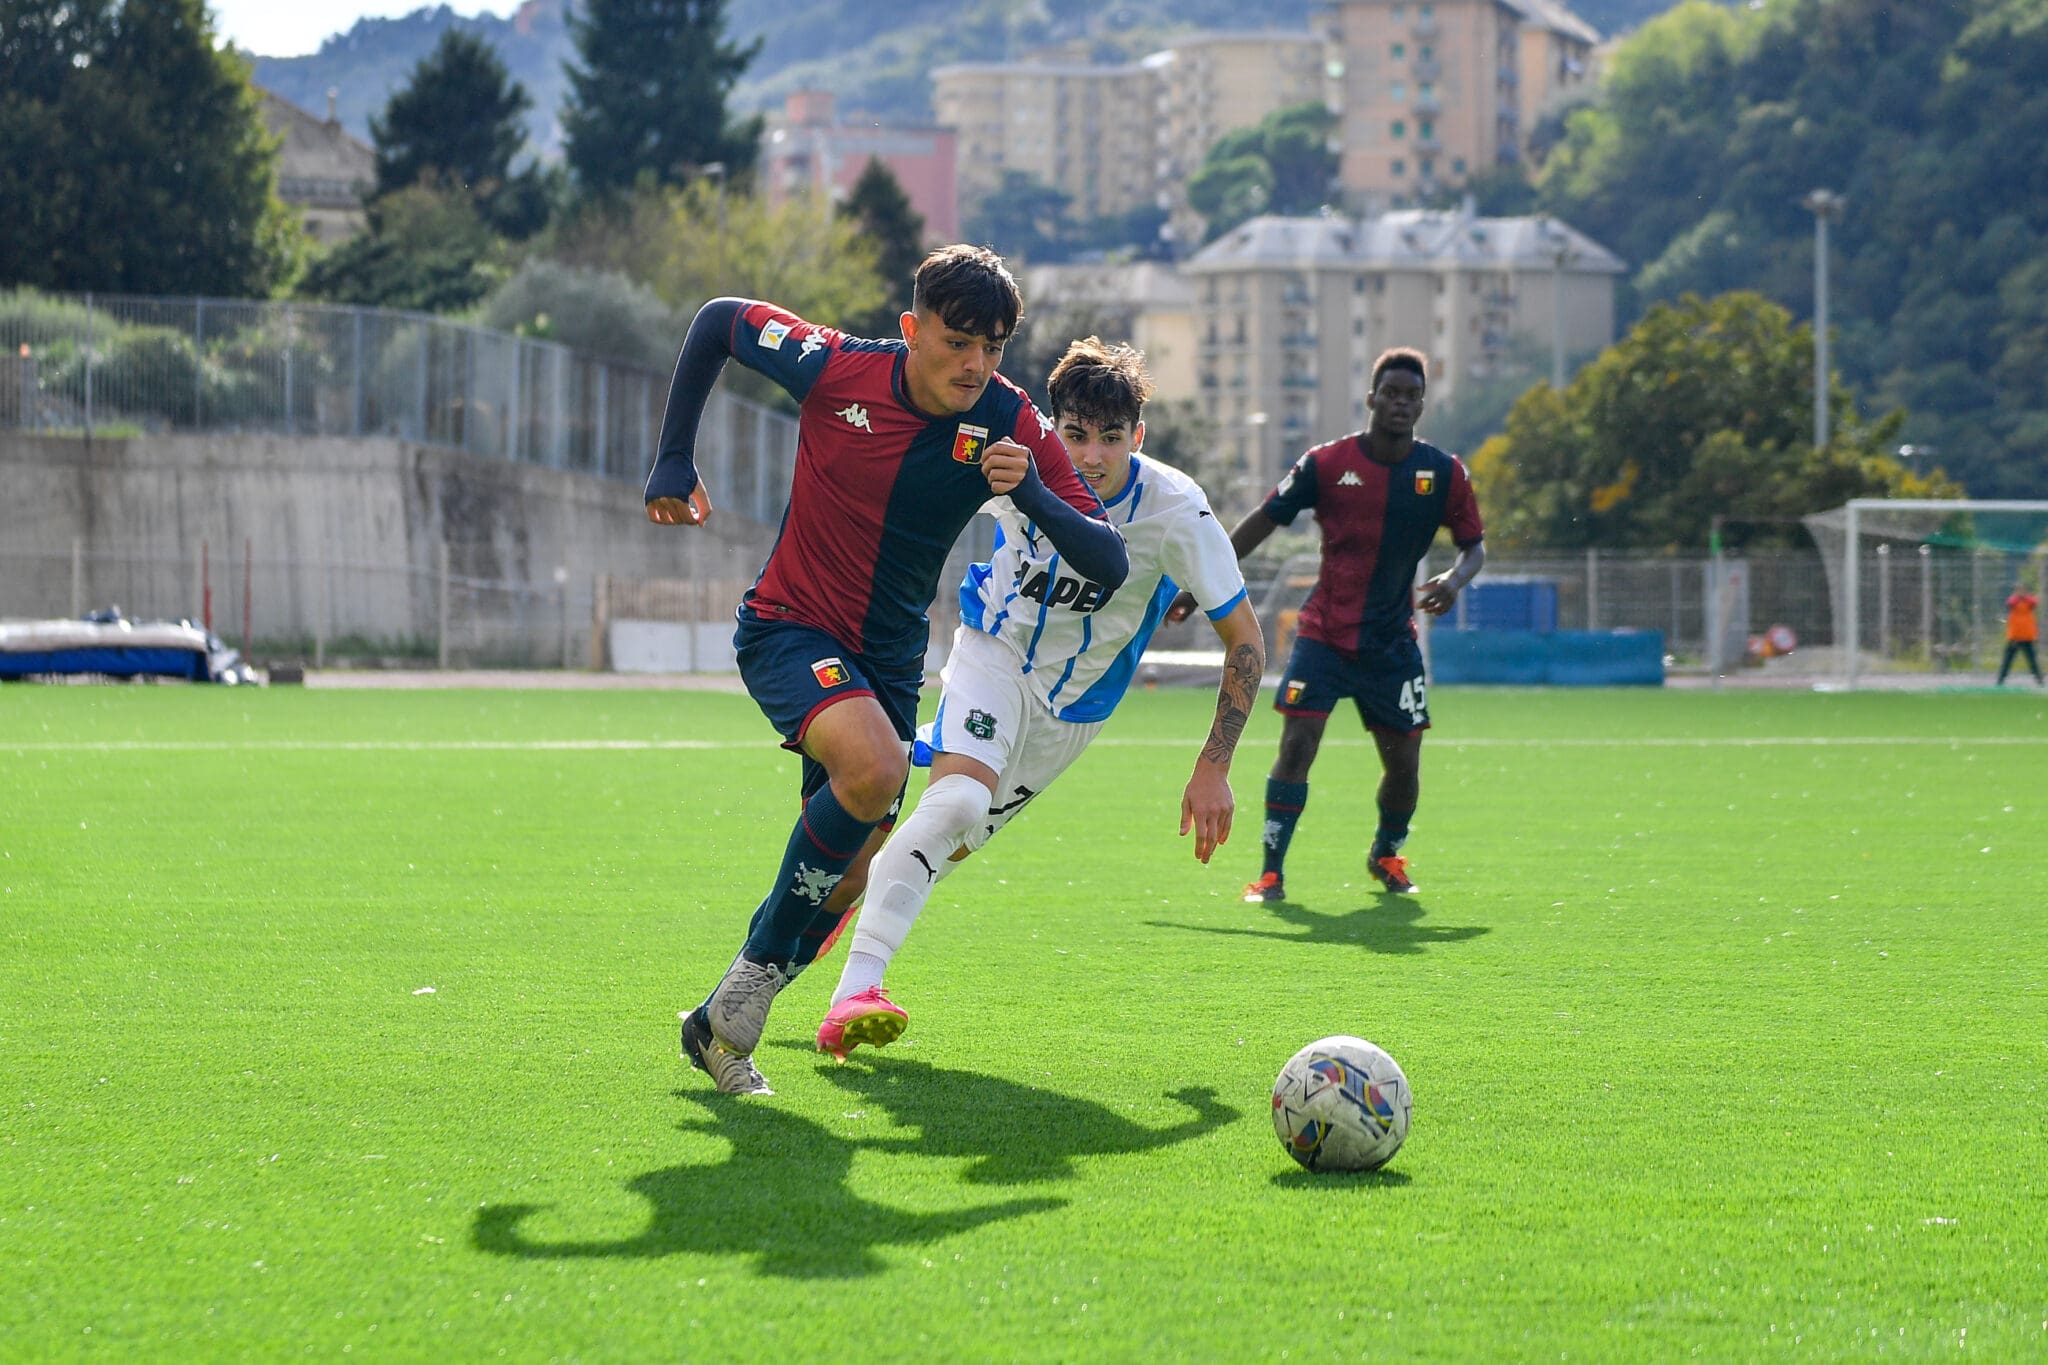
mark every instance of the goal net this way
{"type": "Point", "coordinates": [1918, 587]}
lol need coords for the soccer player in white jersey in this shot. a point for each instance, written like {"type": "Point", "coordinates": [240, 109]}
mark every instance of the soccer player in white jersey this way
{"type": "Point", "coordinates": [1042, 657]}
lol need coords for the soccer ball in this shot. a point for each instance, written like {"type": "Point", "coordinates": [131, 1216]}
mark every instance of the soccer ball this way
{"type": "Point", "coordinates": [1341, 1104]}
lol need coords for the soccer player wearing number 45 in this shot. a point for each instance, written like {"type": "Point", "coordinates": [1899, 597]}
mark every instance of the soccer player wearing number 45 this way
{"type": "Point", "coordinates": [1043, 654]}
{"type": "Point", "coordinates": [1379, 496]}
{"type": "Point", "coordinates": [899, 443]}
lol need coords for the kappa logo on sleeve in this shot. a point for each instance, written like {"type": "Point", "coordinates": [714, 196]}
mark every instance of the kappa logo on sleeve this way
{"type": "Point", "coordinates": [968, 443]}
{"type": "Point", "coordinates": [830, 672]}
{"type": "Point", "coordinates": [772, 333]}
{"type": "Point", "coordinates": [1425, 481]}
{"type": "Point", "coordinates": [813, 343]}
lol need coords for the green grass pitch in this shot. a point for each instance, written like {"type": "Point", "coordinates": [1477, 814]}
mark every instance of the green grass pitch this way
{"type": "Point", "coordinates": [344, 1023]}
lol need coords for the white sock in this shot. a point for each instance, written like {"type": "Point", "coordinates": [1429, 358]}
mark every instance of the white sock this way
{"type": "Point", "coordinates": [901, 878]}
{"type": "Point", "coordinates": [863, 971]}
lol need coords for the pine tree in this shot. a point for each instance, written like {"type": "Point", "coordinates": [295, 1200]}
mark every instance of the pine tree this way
{"type": "Point", "coordinates": [133, 155]}
{"type": "Point", "coordinates": [881, 208]}
{"type": "Point", "coordinates": [455, 122]}
{"type": "Point", "coordinates": [648, 94]}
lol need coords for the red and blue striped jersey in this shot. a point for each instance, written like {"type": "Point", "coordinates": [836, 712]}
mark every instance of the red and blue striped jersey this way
{"type": "Point", "coordinates": [1377, 522]}
{"type": "Point", "coordinates": [882, 489]}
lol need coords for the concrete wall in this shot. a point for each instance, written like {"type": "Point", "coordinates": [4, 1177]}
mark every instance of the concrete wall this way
{"type": "Point", "coordinates": [345, 535]}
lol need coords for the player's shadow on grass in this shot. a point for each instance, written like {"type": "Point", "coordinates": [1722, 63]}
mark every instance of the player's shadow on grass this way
{"type": "Point", "coordinates": [1392, 924]}
{"type": "Point", "coordinates": [781, 1195]}
{"type": "Point", "coordinates": [1014, 1133]}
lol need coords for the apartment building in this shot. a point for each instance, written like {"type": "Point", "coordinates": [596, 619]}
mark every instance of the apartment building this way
{"type": "Point", "coordinates": [1434, 91]}
{"type": "Point", "coordinates": [1083, 128]}
{"type": "Point", "coordinates": [810, 149]}
{"type": "Point", "coordinates": [1210, 84]}
{"type": "Point", "coordinates": [1291, 312]}
{"type": "Point", "coordinates": [1146, 303]}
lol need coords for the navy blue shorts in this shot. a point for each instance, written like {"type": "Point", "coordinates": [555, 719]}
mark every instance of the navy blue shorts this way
{"type": "Point", "coordinates": [795, 671]}
{"type": "Point", "coordinates": [1389, 688]}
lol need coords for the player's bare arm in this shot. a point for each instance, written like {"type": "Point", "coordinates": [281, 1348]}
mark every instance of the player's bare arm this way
{"type": "Point", "coordinates": [1440, 594]}
{"type": "Point", "coordinates": [1207, 805]}
{"type": "Point", "coordinates": [1250, 534]}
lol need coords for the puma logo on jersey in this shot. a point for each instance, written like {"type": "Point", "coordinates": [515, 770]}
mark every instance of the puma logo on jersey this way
{"type": "Point", "coordinates": [855, 415]}
{"type": "Point", "coordinates": [1080, 594]}
{"type": "Point", "coordinates": [1351, 480]}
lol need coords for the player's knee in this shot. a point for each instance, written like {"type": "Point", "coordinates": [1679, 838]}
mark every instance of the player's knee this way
{"type": "Point", "coordinates": [868, 792]}
{"type": "Point", "coordinates": [952, 809]}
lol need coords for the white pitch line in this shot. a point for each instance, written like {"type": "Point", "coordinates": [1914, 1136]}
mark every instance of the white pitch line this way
{"type": "Point", "coordinates": [1108, 742]}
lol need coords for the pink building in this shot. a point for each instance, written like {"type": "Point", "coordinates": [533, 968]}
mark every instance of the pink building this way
{"type": "Point", "coordinates": [809, 148]}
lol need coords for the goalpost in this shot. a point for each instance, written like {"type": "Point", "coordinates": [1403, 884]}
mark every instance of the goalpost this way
{"type": "Point", "coordinates": [1966, 555]}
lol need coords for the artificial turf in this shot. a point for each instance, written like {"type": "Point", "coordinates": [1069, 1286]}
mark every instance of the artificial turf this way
{"type": "Point", "coordinates": [344, 1022]}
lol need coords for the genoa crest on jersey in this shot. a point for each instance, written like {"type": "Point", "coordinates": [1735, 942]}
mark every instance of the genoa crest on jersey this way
{"type": "Point", "coordinates": [1425, 481]}
{"type": "Point", "coordinates": [968, 442]}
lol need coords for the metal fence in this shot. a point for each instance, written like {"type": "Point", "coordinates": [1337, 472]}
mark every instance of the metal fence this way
{"type": "Point", "coordinates": [1937, 614]}
{"type": "Point", "coordinates": [116, 365]}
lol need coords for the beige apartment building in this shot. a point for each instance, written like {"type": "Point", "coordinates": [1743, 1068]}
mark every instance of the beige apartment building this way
{"type": "Point", "coordinates": [1291, 313]}
{"type": "Point", "coordinates": [1146, 303]}
{"type": "Point", "coordinates": [1434, 91]}
{"type": "Point", "coordinates": [1210, 84]}
{"type": "Point", "coordinates": [1084, 129]}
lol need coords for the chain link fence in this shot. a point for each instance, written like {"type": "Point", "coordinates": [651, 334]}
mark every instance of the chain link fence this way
{"type": "Point", "coordinates": [120, 365]}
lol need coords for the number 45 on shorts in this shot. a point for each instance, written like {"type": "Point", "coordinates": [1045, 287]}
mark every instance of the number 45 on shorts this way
{"type": "Point", "coordinates": [1415, 699]}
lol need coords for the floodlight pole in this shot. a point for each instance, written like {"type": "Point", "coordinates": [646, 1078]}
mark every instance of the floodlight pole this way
{"type": "Point", "coordinates": [1823, 205]}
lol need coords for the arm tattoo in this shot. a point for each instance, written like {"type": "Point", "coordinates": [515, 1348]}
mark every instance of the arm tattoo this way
{"type": "Point", "coordinates": [1241, 674]}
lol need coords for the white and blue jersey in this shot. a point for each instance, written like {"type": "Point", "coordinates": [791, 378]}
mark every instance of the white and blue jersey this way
{"type": "Point", "coordinates": [1077, 644]}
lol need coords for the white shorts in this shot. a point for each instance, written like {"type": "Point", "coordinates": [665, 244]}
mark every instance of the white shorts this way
{"type": "Point", "coordinates": [988, 712]}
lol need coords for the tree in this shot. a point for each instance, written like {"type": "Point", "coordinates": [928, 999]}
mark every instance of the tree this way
{"type": "Point", "coordinates": [1704, 408]}
{"type": "Point", "coordinates": [427, 249]}
{"type": "Point", "coordinates": [133, 155]}
{"type": "Point", "coordinates": [458, 123]}
{"type": "Point", "coordinates": [1230, 191]}
{"type": "Point", "coordinates": [1022, 216]}
{"type": "Point", "coordinates": [881, 210]}
{"type": "Point", "coordinates": [796, 253]}
{"type": "Point", "coordinates": [648, 95]}
{"type": "Point", "coordinates": [1282, 164]}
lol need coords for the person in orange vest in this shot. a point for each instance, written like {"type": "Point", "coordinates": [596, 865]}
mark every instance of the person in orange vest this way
{"type": "Point", "coordinates": [2021, 629]}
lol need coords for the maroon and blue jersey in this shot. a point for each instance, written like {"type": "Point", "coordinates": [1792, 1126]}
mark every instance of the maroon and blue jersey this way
{"type": "Point", "coordinates": [1377, 522]}
{"type": "Point", "coordinates": [881, 489]}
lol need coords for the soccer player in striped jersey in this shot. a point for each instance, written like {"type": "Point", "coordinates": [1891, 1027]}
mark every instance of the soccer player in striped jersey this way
{"type": "Point", "coordinates": [1043, 654]}
{"type": "Point", "coordinates": [899, 443]}
{"type": "Point", "coordinates": [1379, 497]}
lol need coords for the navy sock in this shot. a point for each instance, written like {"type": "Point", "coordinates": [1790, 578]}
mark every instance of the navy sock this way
{"type": "Point", "coordinates": [1392, 833]}
{"type": "Point", "coordinates": [1284, 801]}
{"type": "Point", "coordinates": [821, 847]}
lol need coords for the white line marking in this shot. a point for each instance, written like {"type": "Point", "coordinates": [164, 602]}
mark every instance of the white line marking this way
{"type": "Point", "coordinates": [408, 746]}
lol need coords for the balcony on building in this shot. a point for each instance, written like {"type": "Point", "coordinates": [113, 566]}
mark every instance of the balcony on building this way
{"type": "Point", "coordinates": [1427, 102]}
{"type": "Point", "coordinates": [1426, 26]}
{"type": "Point", "coordinates": [1426, 69]}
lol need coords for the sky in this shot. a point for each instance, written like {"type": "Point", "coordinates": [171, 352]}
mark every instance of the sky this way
{"type": "Point", "coordinates": [292, 28]}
